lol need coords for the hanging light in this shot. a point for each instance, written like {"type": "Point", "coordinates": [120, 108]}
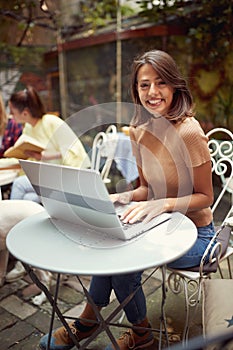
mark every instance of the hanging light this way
{"type": "Point", "coordinates": [43, 6]}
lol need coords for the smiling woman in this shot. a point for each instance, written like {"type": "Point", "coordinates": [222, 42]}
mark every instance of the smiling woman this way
{"type": "Point", "coordinates": [155, 95]}
{"type": "Point", "coordinates": [175, 175]}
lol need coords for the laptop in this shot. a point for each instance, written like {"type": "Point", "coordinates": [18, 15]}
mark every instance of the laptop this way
{"type": "Point", "coordinates": [78, 203]}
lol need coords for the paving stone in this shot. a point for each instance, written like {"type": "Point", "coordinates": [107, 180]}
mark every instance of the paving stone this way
{"type": "Point", "coordinates": [30, 343]}
{"type": "Point", "coordinates": [69, 295]}
{"type": "Point", "coordinates": [6, 319]}
{"type": "Point", "coordinates": [30, 291]}
{"type": "Point", "coordinates": [151, 286]}
{"type": "Point", "coordinates": [75, 311]}
{"type": "Point", "coordinates": [11, 288]}
{"type": "Point", "coordinates": [73, 282]}
{"type": "Point", "coordinates": [17, 307]}
{"type": "Point", "coordinates": [63, 306]}
{"type": "Point", "coordinates": [41, 321]}
{"type": "Point", "coordinates": [14, 335]}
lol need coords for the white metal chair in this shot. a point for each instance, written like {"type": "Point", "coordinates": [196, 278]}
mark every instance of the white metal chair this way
{"type": "Point", "coordinates": [221, 146]}
{"type": "Point", "coordinates": [190, 280]}
{"type": "Point", "coordinates": [103, 151]}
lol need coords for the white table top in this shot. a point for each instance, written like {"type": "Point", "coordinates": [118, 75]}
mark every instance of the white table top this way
{"type": "Point", "coordinates": [37, 242]}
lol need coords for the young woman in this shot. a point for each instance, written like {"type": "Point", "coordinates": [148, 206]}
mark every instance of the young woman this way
{"type": "Point", "coordinates": [60, 143]}
{"type": "Point", "coordinates": [175, 175]}
{"type": "Point", "coordinates": [10, 130]}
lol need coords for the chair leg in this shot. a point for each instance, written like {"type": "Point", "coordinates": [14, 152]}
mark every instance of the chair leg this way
{"type": "Point", "coordinates": [192, 297]}
{"type": "Point", "coordinates": [229, 267]}
{"type": "Point", "coordinates": [220, 272]}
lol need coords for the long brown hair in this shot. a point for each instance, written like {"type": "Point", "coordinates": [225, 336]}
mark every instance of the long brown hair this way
{"type": "Point", "coordinates": [3, 116]}
{"type": "Point", "coordinates": [182, 103]}
{"type": "Point", "coordinates": [28, 98]}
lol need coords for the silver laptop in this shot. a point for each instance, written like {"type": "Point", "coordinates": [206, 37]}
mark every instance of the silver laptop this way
{"type": "Point", "coordinates": [77, 201]}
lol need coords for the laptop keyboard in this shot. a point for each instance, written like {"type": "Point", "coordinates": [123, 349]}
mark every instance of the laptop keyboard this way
{"type": "Point", "coordinates": [139, 227]}
{"type": "Point", "coordinates": [127, 225]}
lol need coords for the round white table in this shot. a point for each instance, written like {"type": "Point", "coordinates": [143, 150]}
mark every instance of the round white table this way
{"type": "Point", "coordinates": [157, 247]}
{"type": "Point", "coordinates": [39, 244]}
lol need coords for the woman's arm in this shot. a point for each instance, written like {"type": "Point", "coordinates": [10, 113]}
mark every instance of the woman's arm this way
{"type": "Point", "coordinates": [44, 155]}
{"type": "Point", "coordinates": [141, 193]}
{"type": "Point", "coordinates": [202, 197]}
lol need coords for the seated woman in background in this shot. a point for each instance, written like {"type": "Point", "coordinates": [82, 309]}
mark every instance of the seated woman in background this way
{"type": "Point", "coordinates": [11, 213]}
{"type": "Point", "coordinates": [10, 130]}
{"type": "Point", "coordinates": [61, 144]}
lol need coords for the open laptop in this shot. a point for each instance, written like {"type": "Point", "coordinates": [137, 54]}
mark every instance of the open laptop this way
{"type": "Point", "coordinates": [78, 203]}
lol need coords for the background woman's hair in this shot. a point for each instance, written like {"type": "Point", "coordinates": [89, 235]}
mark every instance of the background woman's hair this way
{"type": "Point", "coordinates": [28, 98]}
{"type": "Point", "coordinates": [3, 116]}
{"type": "Point", "coordinates": [182, 102]}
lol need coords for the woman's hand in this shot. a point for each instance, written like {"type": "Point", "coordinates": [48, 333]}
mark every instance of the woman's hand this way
{"type": "Point", "coordinates": [123, 198]}
{"type": "Point", "coordinates": [32, 154]}
{"type": "Point", "coordinates": [145, 210]}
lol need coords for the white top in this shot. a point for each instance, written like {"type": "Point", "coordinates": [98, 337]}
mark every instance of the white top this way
{"type": "Point", "coordinates": [37, 242]}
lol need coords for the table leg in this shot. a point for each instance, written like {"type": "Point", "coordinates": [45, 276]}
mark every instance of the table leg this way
{"type": "Point", "coordinates": [103, 323]}
{"type": "Point", "coordinates": [163, 323]}
{"type": "Point", "coordinates": [53, 303]}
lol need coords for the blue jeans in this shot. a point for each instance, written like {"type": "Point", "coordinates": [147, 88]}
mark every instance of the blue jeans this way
{"type": "Point", "coordinates": [123, 285]}
{"type": "Point", "coordinates": [22, 189]}
{"type": "Point", "coordinates": [194, 255]}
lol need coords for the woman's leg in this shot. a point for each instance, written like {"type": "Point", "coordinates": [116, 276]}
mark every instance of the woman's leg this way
{"type": "Point", "coordinates": [22, 189]}
{"type": "Point", "coordinates": [123, 286]}
{"type": "Point", "coordinates": [12, 212]}
{"type": "Point", "coordinates": [135, 309]}
{"type": "Point", "coordinates": [3, 265]}
{"type": "Point", "coordinates": [194, 255]}
{"type": "Point", "coordinates": [100, 291]}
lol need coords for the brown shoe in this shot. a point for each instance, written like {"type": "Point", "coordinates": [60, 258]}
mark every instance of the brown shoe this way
{"type": "Point", "coordinates": [133, 341]}
{"type": "Point", "coordinates": [60, 339]}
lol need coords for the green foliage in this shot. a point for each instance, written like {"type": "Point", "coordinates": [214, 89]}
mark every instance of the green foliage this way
{"type": "Point", "coordinates": [18, 19]}
{"type": "Point", "coordinates": [209, 24]}
{"type": "Point", "coordinates": [23, 58]}
{"type": "Point", "coordinates": [224, 108]}
{"type": "Point", "coordinates": [99, 13]}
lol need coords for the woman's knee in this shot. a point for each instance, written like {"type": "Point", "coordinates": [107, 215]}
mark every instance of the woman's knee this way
{"type": "Point", "coordinates": [20, 187]}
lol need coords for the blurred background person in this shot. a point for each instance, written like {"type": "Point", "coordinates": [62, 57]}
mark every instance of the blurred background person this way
{"type": "Point", "coordinates": [10, 130]}
{"type": "Point", "coordinates": [60, 143]}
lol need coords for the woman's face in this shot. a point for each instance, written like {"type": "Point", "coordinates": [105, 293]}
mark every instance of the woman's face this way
{"type": "Point", "coordinates": [19, 117]}
{"type": "Point", "coordinates": [155, 95]}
